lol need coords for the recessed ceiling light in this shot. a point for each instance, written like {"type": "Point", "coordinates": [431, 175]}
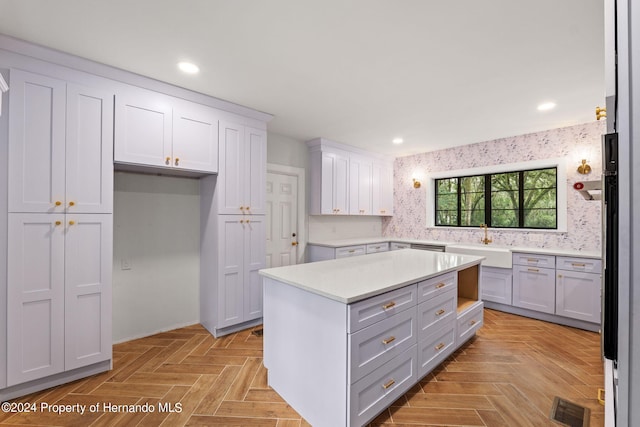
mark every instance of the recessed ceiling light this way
{"type": "Point", "coordinates": [397, 140]}
{"type": "Point", "coordinates": [188, 67]}
{"type": "Point", "coordinates": [545, 106]}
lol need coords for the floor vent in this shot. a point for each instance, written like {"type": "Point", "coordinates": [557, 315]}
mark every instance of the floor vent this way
{"type": "Point", "coordinates": [257, 332]}
{"type": "Point", "coordinates": [569, 414]}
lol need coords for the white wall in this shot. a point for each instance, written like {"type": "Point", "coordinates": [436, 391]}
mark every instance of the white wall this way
{"type": "Point", "coordinates": [157, 229]}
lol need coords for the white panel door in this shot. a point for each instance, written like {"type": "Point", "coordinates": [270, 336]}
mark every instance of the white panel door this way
{"type": "Point", "coordinates": [497, 285]}
{"type": "Point", "coordinates": [231, 270]}
{"type": "Point", "coordinates": [195, 137]}
{"type": "Point", "coordinates": [229, 185]}
{"type": "Point", "coordinates": [36, 143]}
{"type": "Point", "coordinates": [255, 170]}
{"type": "Point", "coordinates": [534, 288]}
{"type": "Point", "coordinates": [341, 184]}
{"type": "Point", "coordinates": [89, 150]}
{"type": "Point", "coordinates": [282, 220]}
{"type": "Point", "coordinates": [143, 129]}
{"type": "Point", "coordinates": [254, 260]}
{"type": "Point", "coordinates": [35, 297]}
{"type": "Point", "coordinates": [578, 295]}
{"type": "Point", "coordinates": [88, 260]}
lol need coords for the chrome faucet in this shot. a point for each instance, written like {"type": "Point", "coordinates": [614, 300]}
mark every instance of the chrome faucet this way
{"type": "Point", "coordinates": [486, 239]}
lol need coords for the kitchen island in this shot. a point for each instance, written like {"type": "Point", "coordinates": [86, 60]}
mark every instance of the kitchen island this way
{"type": "Point", "coordinates": [344, 338]}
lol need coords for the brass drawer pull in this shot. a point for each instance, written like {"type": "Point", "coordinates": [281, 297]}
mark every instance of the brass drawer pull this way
{"type": "Point", "coordinates": [389, 384]}
{"type": "Point", "coordinates": [440, 285]}
{"type": "Point", "coordinates": [535, 270]}
{"type": "Point", "coordinates": [440, 346]}
{"type": "Point", "coordinates": [439, 312]}
{"type": "Point", "coordinates": [389, 340]}
{"type": "Point", "coordinates": [473, 322]}
{"type": "Point", "coordinates": [352, 251]}
{"type": "Point", "coordinates": [578, 264]}
{"type": "Point", "coordinates": [532, 260]}
{"type": "Point", "coordinates": [389, 305]}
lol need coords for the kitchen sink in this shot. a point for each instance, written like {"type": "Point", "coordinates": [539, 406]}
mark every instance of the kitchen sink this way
{"type": "Point", "coordinates": [495, 256]}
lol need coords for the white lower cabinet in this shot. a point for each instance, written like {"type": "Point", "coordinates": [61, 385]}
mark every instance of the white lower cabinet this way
{"type": "Point", "coordinates": [534, 288]}
{"type": "Point", "coordinates": [436, 346]}
{"type": "Point", "coordinates": [578, 288]}
{"type": "Point", "coordinates": [382, 387]}
{"type": "Point", "coordinates": [242, 254]}
{"type": "Point", "coordinates": [497, 284]}
{"type": "Point", "coordinates": [375, 345]}
{"type": "Point", "coordinates": [469, 322]}
{"type": "Point", "coordinates": [566, 287]}
{"type": "Point", "coordinates": [59, 293]}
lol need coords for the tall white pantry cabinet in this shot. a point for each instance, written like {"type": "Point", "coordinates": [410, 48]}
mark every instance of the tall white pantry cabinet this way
{"type": "Point", "coordinates": [233, 228]}
{"type": "Point", "coordinates": [60, 205]}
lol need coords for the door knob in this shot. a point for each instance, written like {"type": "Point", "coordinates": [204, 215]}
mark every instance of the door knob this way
{"type": "Point", "coordinates": [294, 243]}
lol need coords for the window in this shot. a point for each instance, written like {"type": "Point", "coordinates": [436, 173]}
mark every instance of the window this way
{"type": "Point", "coordinates": [518, 199]}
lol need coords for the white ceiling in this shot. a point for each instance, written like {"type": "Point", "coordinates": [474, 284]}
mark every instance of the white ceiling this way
{"type": "Point", "coordinates": [436, 73]}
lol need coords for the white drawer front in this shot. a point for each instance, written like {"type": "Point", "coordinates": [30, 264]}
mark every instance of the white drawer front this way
{"type": "Point", "coordinates": [348, 251]}
{"type": "Point", "coordinates": [586, 265]}
{"type": "Point", "coordinates": [430, 288]}
{"type": "Point", "coordinates": [397, 245]}
{"type": "Point", "coordinates": [436, 311]}
{"type": "Point", "coordinates": [372, 310]}
{"type": "Point", "coordinates": [382, 387]}
{"type": "Point", "coordinates": [469, 322]}
{"type": "Point", "coordinates": [377, 247]}
{"type": "Point", "coordinates": [536, 260]}
{"type": "Point", "coordinates": [436, 347]}
{"type": "Point", "coordinates": [373, 346]}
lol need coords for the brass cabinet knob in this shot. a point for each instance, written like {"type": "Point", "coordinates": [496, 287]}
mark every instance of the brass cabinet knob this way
{"type": "Point", "coordinates": [294, 243]}
{"type": "Point", "coordinates": [72, 222]}
{"type": "Point", "coordinates": [58, 203]}
{"type": "Point", "coordinates": [72, 204]}
{"type": "Point", "coordinates": [176, 162]}
{"type": "Point", "coordinates": [58, 223]}
{"type": "Point", "coordinates": [167, 161]}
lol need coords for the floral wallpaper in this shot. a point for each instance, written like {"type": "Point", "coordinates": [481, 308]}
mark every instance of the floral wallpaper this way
{"type": "Point", "coordinates": [573, 143]}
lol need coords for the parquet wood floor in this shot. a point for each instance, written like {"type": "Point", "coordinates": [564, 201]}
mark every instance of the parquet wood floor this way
{"type": "Point", "coordinates": [507, 375]}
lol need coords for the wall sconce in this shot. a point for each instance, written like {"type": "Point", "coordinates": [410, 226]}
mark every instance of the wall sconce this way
{"type": "Point", "coordinates": [416, 183]}
{"type": "Point", "coordinates": [584, 168]}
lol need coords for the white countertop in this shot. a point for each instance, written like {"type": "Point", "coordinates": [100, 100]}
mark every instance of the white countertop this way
{"type": "Point", "coordinates": [348, 280]}
{"type": "Point", "coordinates": [367, 240]}
{"type": "Point", "coordinates": [543, 251]}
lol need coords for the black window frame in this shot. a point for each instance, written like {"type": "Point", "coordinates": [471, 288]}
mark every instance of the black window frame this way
{"type": "Point", "coordinates": [487, 199]}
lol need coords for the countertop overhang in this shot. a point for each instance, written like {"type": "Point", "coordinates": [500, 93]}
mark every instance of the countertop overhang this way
{"type": "Point", "coordinates": [352, 279]}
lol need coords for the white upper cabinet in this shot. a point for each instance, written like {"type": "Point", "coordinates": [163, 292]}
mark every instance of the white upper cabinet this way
{"type": "Point", "coordinates": [155, 130]}
{"type": "Point", "coordinates": [195, 137]}
{"type": "Point", "coordinates": [242, 180]}
{"type": "Point", "coordinates": [382, 196]}
{"type": "Point", "coordinates": [349, 181]}
{"type": "Point", "coordinates": [334, 191]}
{"type": "Point", "coordinates": [143, 129]}
{"type": "Point", "coordinates": [360, 188]}
{"type": "Point", "coordinates": [60, 146]}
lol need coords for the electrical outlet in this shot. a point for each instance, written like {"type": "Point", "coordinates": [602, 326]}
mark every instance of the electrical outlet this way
{"type": "Point", "coordinates": [125, 264]}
